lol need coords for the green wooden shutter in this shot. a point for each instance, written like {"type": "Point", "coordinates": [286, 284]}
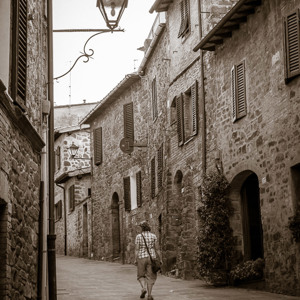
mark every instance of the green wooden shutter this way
{"type": "Point", "coordinates": [97, 145]}
{"type": "Point", "coordinates": [127, 198]}
{"type": "Point", "coordinates": [153, 177]}
{"type": "Point", "coordinates": [128, 121]}
{"type": "Point", "coordinates": [154, 99]}
{"type": "Point", "coordinates": [139, 188]}
{"type": "Point", "coordinates": [292, 44]}
{"type": "Point", "coordinates": [71, 198]}
{"type": "Point", "coordinates": [238, 83]}
{"type": "Point", "coordinates": [160, 167]}
{"type": "Point", "coordinates": [194, 96]}
{"type": "Point", "coordinates": [19, 56]}
{"type": "Point", "coordinates": [180, 120]}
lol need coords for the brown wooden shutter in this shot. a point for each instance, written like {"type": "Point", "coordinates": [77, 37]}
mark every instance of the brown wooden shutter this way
{"type": "Point", "coordinates": [160, 167]}
{"type": "Point", "coordinates": [127, 198]}
{"type": "Point", "coordinates": [292, 44]}
{"type": "Point", "coordinates": [154, 99]}
{"type": "Point", "coordinates": [180, 120]}
{"type": "Point", "coordinates": [238, 83]}
{"type": "Point", "coordinates": [71, 198]}
{"type": "Point", "coordinates": [19, 61]}
{"type": "Point", "coordinates": [153, 177]}
{"type": "Point", "coordinates": [128, 121]}
{"type": "Point", "coordinates": [139, 188]}
{"type": "Point", "coordinates": [194, 98]}
{"type": "Point", "coordinates": [98, 146]}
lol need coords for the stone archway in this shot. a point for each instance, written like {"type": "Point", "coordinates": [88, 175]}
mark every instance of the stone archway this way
{"type": "Point", "coordinates": [116, 232]}
{"type": "Point", "coordinates": [246, 221]}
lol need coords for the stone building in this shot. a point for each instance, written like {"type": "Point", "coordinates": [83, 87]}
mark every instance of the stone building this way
{"type": "Point", "coordinates": [216, 90]}
{"type": "Point", "coordinates": [23, 132]}
{"type": "Point", "coordinates": [72, 191]}
{"type": "Point", "coordinates": [251, 70]}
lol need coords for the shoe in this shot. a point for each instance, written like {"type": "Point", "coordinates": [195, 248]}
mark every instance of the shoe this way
{"type": "Point", "coordinates": [143, 293]}
{"type": "Point", "coordinates": [150, 298]}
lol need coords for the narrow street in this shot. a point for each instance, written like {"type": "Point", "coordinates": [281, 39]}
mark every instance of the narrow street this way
{"type": "Point", "coordinates": [83, 279]}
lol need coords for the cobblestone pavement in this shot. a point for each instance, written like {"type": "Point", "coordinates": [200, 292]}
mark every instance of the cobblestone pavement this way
{"type": "Point", "coordinates": [84, 279]}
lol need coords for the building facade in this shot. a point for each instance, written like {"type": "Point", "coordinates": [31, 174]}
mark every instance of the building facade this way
{"type": "Point", "coordinates": [216, 91]}
{"type": "Point", "coordinates": [23, 128]}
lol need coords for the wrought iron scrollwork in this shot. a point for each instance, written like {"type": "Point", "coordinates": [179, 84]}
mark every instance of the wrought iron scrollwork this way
{"type": "Point", "coordinates": [85, 53]}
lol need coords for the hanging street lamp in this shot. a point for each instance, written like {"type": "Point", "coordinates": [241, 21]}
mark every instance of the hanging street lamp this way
{"type": "Point", "coordinates": [112, 11]}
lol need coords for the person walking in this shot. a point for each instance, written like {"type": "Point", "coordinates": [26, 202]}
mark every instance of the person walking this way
{"type": "Point", "coordinates": [145, 275]}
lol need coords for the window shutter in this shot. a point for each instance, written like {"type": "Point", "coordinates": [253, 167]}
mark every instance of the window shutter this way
{"type": "Point", "coordinates": [184, 17]}
{"type": "Point", "coordinates": [153, 177]}
{"type": "Point", "coordinates": [128, 121]}
{"type": "Point", "coordinates": [180, 120]}
{"type": "Point", "coordinates": [194, 96]}
{"type": "Point", "coordinates": [160, 167]}
{"type": "Point", "coordinates": [154, 99]}
{"type": "Point", "coordinates": [19, 66]}
{"type": "Point", "coordinates": [139, 188]}
{"type": "Point", "coordinates": [71, 198]}
{"type": "Point", "coordinates": [292, 44]}
{"type": "Point", "coordinates": [58, 158]}
{"type": "Point", "coordinates": [238, 84]}
{"type": "Point", "coordinates": [98, 145]}
{"type": "Point", "coordinates": [127, 199]}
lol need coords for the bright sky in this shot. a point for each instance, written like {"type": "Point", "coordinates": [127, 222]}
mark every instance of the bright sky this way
{"type": "Point", "coordinates": [114, 56]}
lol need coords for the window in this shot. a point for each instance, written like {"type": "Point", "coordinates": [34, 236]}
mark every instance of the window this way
{"type": "Point", "coordinates": [19, 55]}
{"type": "Point", "coordinates": [292, 45]}
{"type": "Point", "coordinates": [139, 188]}
{"type": "Point", "coordinates": [295, 174]}
{"type": "Point", "coordinates": [238, 87]}
{"type": "Point", "coordinates": [98, 146]}
{"type": "Point", "coordinates": [160, 167]}
{"type": "Point", "coordinates": [173, 115]}
{"type": "Point", "coordinates": [89, 192]}
{"type": "Point", "coordinates": [187, 114]}
{"type": "Point", "coordinates": [71, 198]}
{"type": "Point", "coordinates": [58, 210]}
{"type": "Point", "coordinates": [58, 158]}
{"type": "Point", "coordinates": [154, 99]}
{"type": "Point", "coordinates": [185, 18]}
{"type": "Point", "coordinates": [127, 198]}
{"type": "Point", "coordinates": [153, 177]}
{"type": "Point", "coordinates": [128, 121]}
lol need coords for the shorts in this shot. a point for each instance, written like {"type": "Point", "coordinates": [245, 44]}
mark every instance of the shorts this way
{"type": "Point", "coordinates": [144, 269]}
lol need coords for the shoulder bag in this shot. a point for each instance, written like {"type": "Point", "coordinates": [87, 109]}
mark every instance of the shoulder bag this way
{"type": "Point", "coordinates": [155, 262]}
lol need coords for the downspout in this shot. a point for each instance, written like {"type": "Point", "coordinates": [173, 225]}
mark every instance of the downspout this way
{"type": "Point", "coordinates": [51, 235]}
{"type": "Point", "coordinates": [65, 219]}
{"type": "Point", "coordinates": [202, 94]}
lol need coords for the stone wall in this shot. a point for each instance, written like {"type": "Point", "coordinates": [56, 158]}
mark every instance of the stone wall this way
{"type": "Point", "coordinates": [20, 170]}
{"type": "Point", "coordinates": [264, 142]}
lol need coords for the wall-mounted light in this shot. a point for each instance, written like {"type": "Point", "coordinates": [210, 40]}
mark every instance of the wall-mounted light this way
{"type": "Point", "coordinates": [112, 11]}
{"type": "Point", "coordinates": [73, 149]}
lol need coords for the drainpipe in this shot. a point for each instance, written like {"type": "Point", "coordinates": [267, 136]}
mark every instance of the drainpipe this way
{"type": "Point", "coordinates": [65, 218]}
{"type": "Point", "coordinates": [202, 94]}
{"type": "Point", "coordinates": [51, 235]}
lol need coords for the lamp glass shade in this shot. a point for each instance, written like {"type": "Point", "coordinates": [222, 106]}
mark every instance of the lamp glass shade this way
{"type": "Point", "coordinates": [73, 150]}
{"type": "Point", "coordinates": [112, 11]}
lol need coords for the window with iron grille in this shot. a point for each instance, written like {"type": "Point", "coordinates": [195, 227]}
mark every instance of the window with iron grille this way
{"type": "Point", "coordinates": [139, 188]}
{"type": "Point", "coordinates": [19, 54]}
{"type": "Point", "coordinates": [238, 87]}
{"type": "Point", "coordinates": [292, 45]}
{"type": "Point", "coordinates": [154, 100]}
{"type": "Point", "coordinates": [128, 121]}
{"type": "Point", "coordinates": [71, 198]}
{"type": "Point", "coordinates": [184, 28]}
{"type": "Point", "coordinates": [153, 177]}
{"type": "Point", "coordinates": [160, 167]}
{"type": "Point", "coordinates": [58, 210]}
{"type": "Point", "coordinates": [187, 114]}
{"type": "Point", "coordinates": [127, 198]}
{"type": "Point", "coordinates": [97, 133]}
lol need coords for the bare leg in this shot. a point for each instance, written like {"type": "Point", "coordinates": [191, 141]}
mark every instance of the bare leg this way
{"type": "Point", "coordinates": [142, 282]}
{"type": "Point", "coordinates": [149, 289]}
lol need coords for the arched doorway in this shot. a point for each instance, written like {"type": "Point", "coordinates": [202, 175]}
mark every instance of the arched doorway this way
{"type": "Point", "coordinates": [116, 239]}
{"type": "Point", "coordinates": [251, 219]}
